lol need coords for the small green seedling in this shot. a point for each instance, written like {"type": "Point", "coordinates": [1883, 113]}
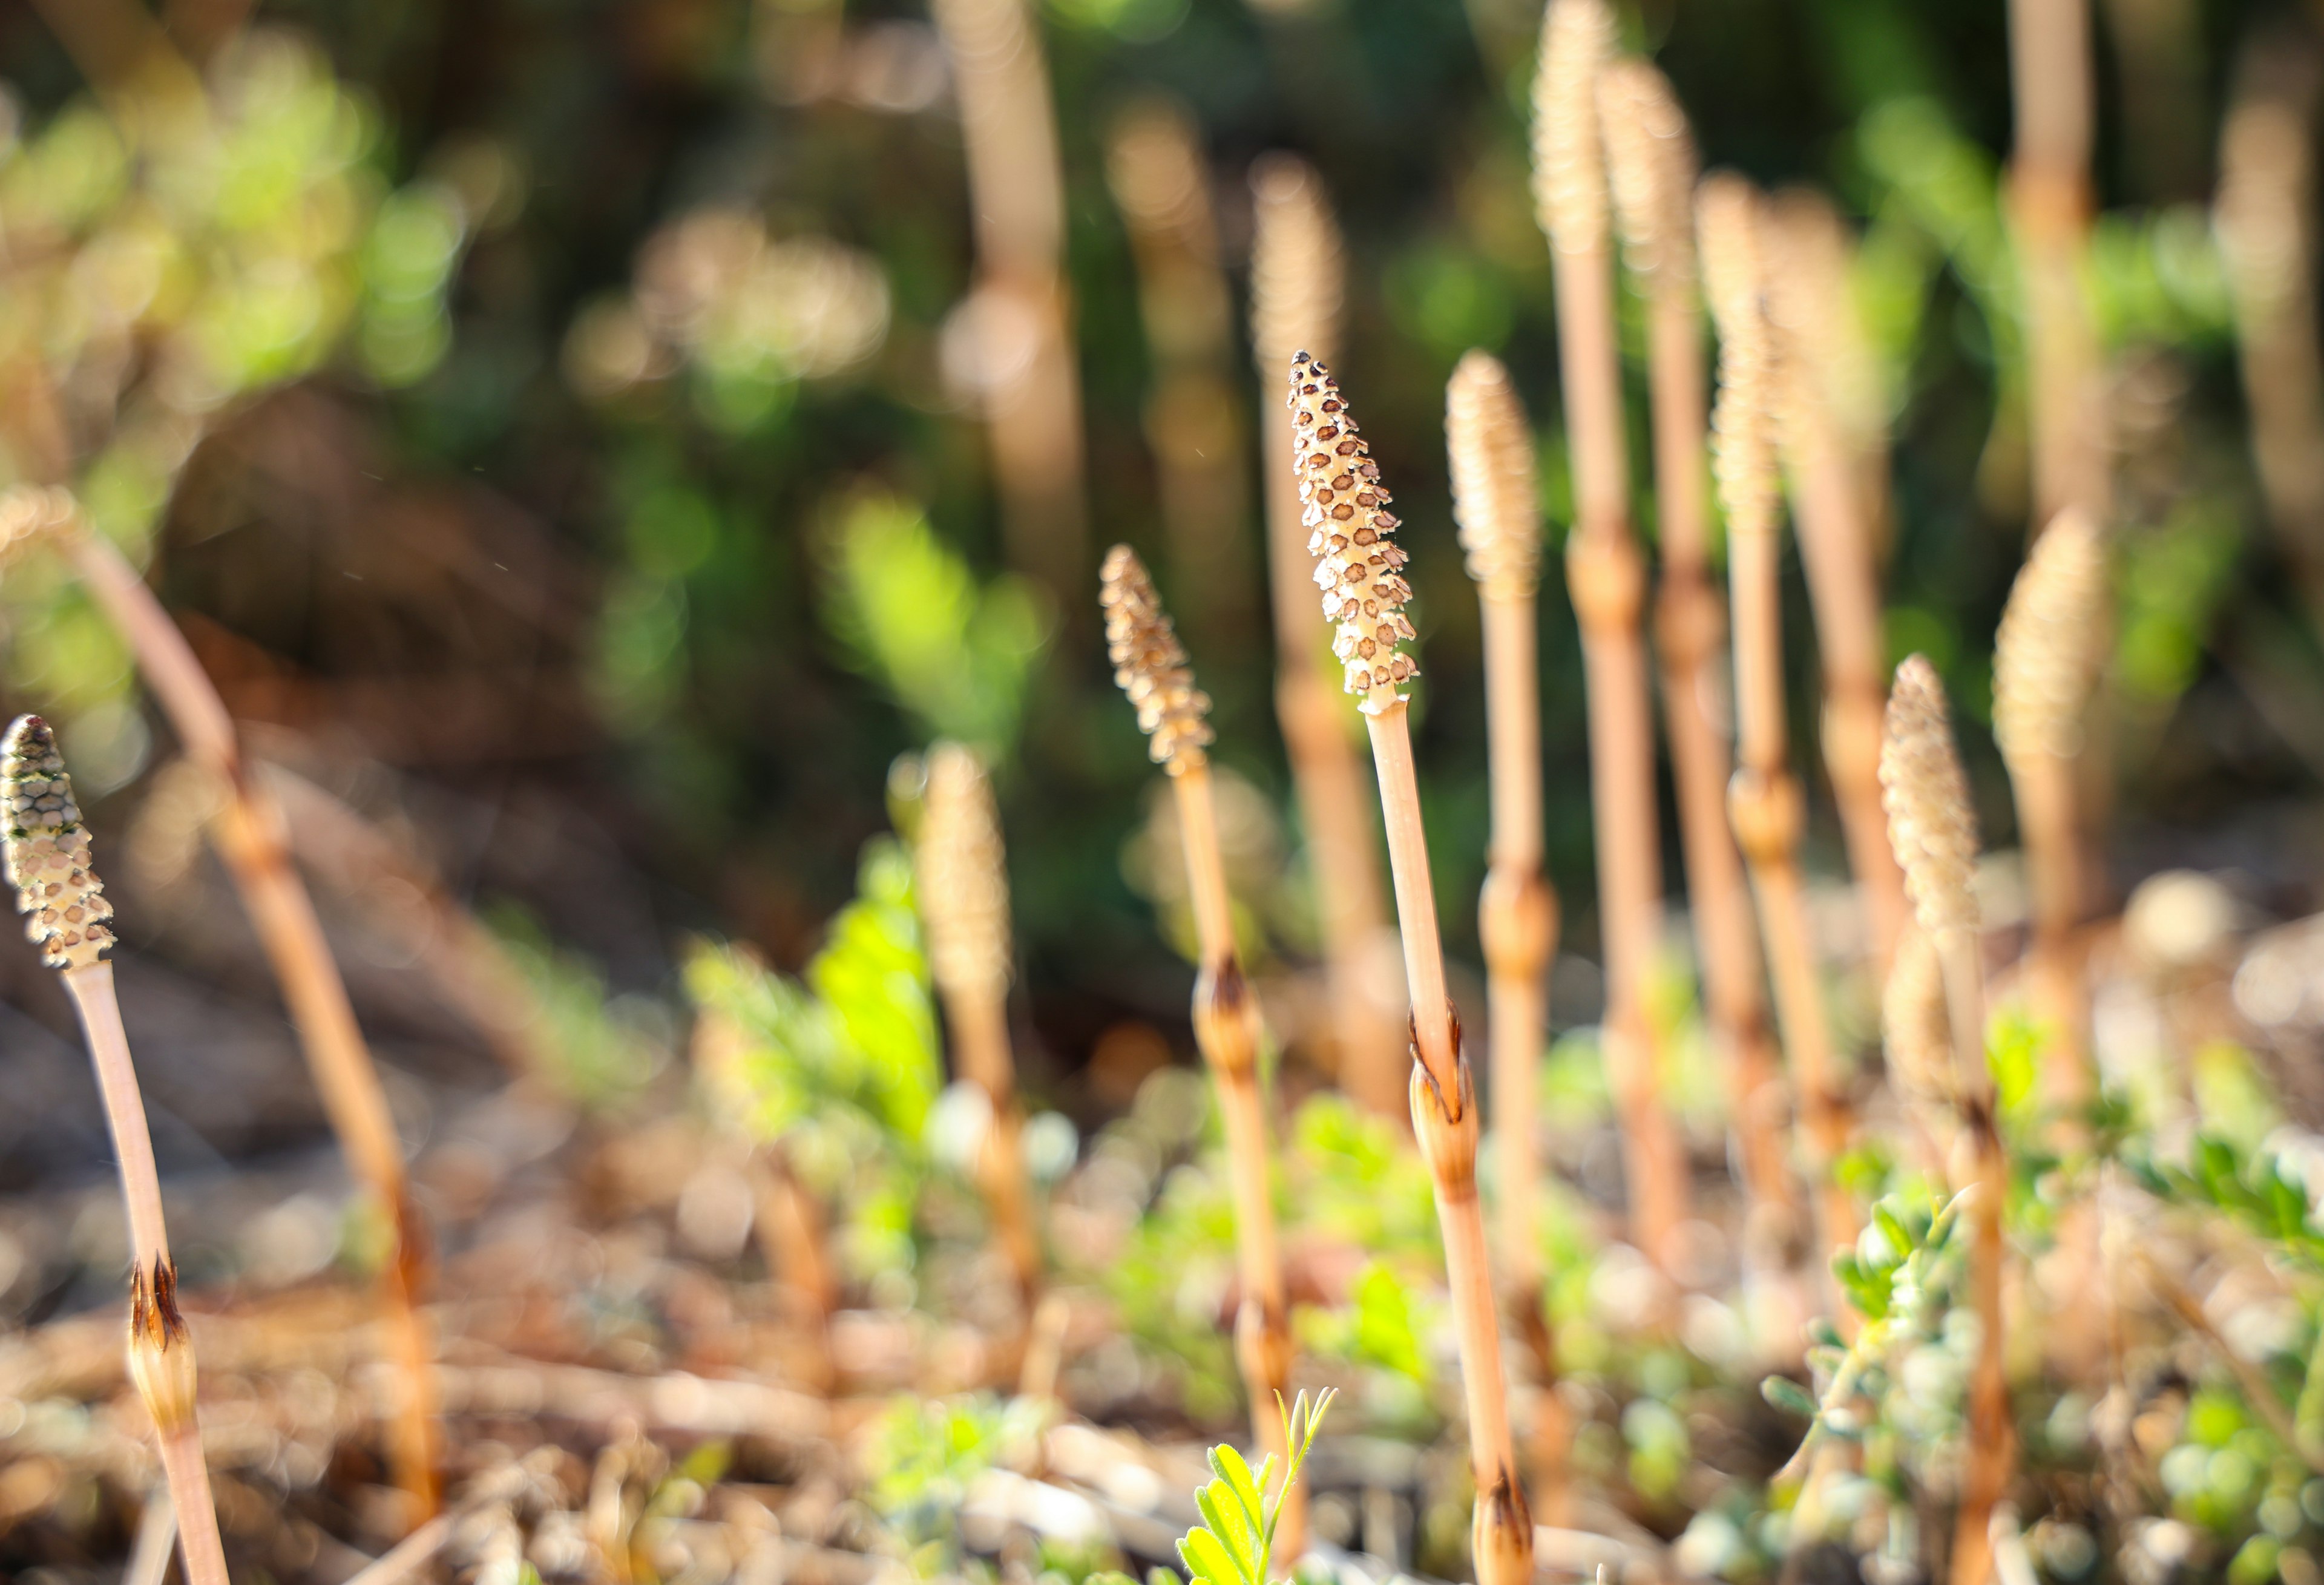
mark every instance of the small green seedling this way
{"type": "Point", "coordinates": [1234, 1546]}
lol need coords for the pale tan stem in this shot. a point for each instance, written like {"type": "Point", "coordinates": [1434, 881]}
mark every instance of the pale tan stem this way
{"type": "Point", "coordinates": [124, 1111]}
{"type": "Point", "coordinates": [355, 857]}
{"type": "Point", "coordinates": [1843, 587]}
{"type": "Point", "coordinates": [1826, 1122]}
{"type": "Point", "coordinates": [2263, 216]}
{"type": "Point", "coordinates": [1766, 805]}
{"type": "Point", "coordinates": [1226, 1026]}
{"type": "Point", "coordinates": [1513, 722]}
{"type": "Point", "coordinates": [92, 991]}
{"type": "Point", "coordinates": [1343, 843]}
{"type": "Point", "coordinates": [1193, 424]}
{"type": "Point", "coordinates": [981, 1047]}
{"type": "Point", "coordinates": [1517, 923]}
{"type": "Point", "coordinates": [1690, 623]}
{"type": "Point", "coordinates": [199, 1547]}
{"type": "Point", "coordinates": [1590, 372]}
{"type": "Point", "coordinates": [2049, 827]}
{"type": "Point", "coordinates": [1434, 1042]}
{"type": "Point", "coordinates": [1501, 1527]}
{"type": "Point", "coordinates": [1991, 1440]}
{"type": "Point", "coordinates": [1606, 577]}
{"type": "Point", "coordinates": [2050, 205]}
{"type": "Point", "coordinates": [1444, 1119]}
{"type": "Point", "coordinates": [1017, 189]}
{"type": "Point", "coordinates": [248, 833]}
{"type": "Point", "coordinates": [794, 1233]}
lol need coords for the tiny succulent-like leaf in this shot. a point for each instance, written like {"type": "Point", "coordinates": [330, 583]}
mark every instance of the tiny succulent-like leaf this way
{"type": "Point", "coordinates": [1788, 1395]}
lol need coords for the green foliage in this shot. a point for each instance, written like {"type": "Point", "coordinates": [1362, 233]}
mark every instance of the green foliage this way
{"type": "Point", "coordinates": [858, 1033]}
{"type": "Point", "coordinates": [1235, 1543]}
{"type": "Point", "coordinates": [923, 1453]}
{"type": "Point", "coordinates": [911, 616]}
{"type": "Point", "coordinates": [1900, 1279]}
{"type": "Point", "coordinates": [2254, 1188]}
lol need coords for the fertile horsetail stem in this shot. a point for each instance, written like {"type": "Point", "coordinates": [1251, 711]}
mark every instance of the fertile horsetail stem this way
{"type": "Point", "coordinates": [247, 829]}
{"type": "Point", "coordinates": [1296, 289]}
{"type": "Point", "coordinates": [1497, 504]}
{"type": "Point", "coordinates": [964, 892]}
{"type": "Point", "coordinates": [1764, 800]}
{"type": "Point", "coordinates": [67, 915]}
{"type": "Point", "coordinates": [2045, 663]}
{"type": "Point", "coordinates": [1935, 835]}
{"type": "Point", "coordinates": [1359, 569]}
{"type": "Point", "coordinates": [1606, 577]}
{"type": "Point", "coordinates": [1150, 666]}
{"type": "Point", "coordinates": [1650, 163]}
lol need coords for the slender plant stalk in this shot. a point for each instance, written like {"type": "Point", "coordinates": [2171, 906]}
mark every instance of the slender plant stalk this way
{"type": "Point", "coordinates": [1360, 572]}
{"type": "Point", "coordinates": [1651, 166]}
{"type": "Point", "coordinates": [472, 968]}
{"type": "Point", "coordinates": [964, 897]}
{"type": "Point", "coordinates": [1194, 418]}
{"type": "Point", "coordinates": [1765, 801]}
{"type": "Point", "coordinates": [2267, 188]}
{"type": "Point", "coordinates": [1807, 282]}
{"type": "Point", "coordinates": [1934, 832]}
{"type": "Point", "coordinates": [1295, 287]}
{"type": "Point", "coordinates": [789, 1222]}
{"type": "Point", "coordinates": [1918, 1043]}
{"type": "Point", "coordinates": [248, 833]}
{"type": "Point", "coordinates": [1498, 505]}
{"type": "Point", "coordinates": [1606, 576]}
{"type": "Point", "coordinates": [49, 863]}
{"type": "Point", "coordinates": [2050, 204]}
{"type": "Point", "coordinates": [2045, 664]}
{"type": "Point", "coordinates": [1151, 665]}
{"type": "Point", "coordinates": [1024, 359]}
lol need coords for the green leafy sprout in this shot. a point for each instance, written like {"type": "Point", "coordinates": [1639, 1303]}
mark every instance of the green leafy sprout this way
{"type": "Point", "coordinates": [1236, 1542]}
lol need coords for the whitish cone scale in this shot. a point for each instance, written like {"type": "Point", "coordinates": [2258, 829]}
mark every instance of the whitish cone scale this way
{"type": "Point", "coordinates": [48, 857]}
{"type": "Point", "coordinates": [1359, 566]}
{"type": "Point", "coordinates": [1151, 665]}
{"type": "Point", "coordinates": [1494, 497]}
{"type": "Point", "coordinates": [1929, 816]}
{"type": "Point", "coordinates": [963, 885]}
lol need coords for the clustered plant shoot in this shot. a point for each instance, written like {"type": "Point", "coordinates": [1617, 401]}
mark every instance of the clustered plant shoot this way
{"type": "Point", "coordinates": [1731, 980]}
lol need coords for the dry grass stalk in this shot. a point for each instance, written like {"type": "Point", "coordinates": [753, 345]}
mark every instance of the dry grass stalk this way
{"type": "Point", "coordinates": [1934, 832]}
{"type": "Point", "coordinates": [1606, 576]}
{"type": "Point", "coordinates": [1151, 666]}
{"type": "Point", "coordinates": [1295, 288]}
{"type": "Point", "coordinates": [248, 833]}
{"type": "Point", "coordinates": [1193, 422]}
{"type": "Point", "coordinates": [2045, 664]}
{"type": "Point", "coordinates": [963, 889]}
{"type": "Point", "coordinates": [1807, 282]}
{"type": "Point", "coordinates": [1027, 380]}
{"type": "Point", "coordinates": [1498, 505]}
{"type": "Point", "coordinates": [47, 851]}
{"type": "Point", "coordinates": [1764, 800]}
{"type": "Point", "coordinates": [1359, 568]}
{"type": "Point", "coordinates": [2267, 186]}
{"type": "Point", "coordinates": [2050, 205]}
{"type": "Point", "coordinates": [1650, 163]}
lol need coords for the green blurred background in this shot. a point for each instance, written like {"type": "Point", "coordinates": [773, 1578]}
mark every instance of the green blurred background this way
{"type": "Point", "coordinates": [619, 573]}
